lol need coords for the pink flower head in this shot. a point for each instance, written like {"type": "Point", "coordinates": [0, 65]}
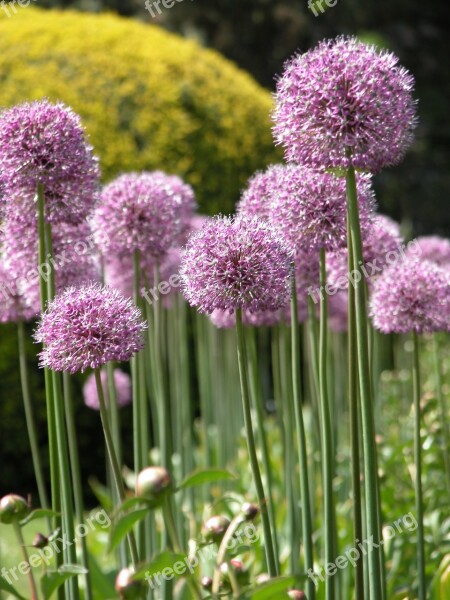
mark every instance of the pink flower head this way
{"type": "Point", "coordinates": [223, 319]}
{"type": "Point", "coordinates": [435, 249]}
{"type": "Point", "coordinates": [345, 103]}
{"type": "Point", "coordinates": [235, 263]}
{"type": "Point", "coordinates": [13, 306]}
{"type": "Point", "coordinates": [88, 327]}
{"type": "Point", "coordinates": [412, 295]}
{"type": "Point", "coordinates": [309, 208]}
{"type": "Point", "coordinates": [45, 144]}
{"type": "Point", "coordinates": [142, 211]}
{"type": "Point", "coordinates": [122, 383]}
{"type": "Point", "coordinates": [256, 198]}
{"type": "Point", "coordinates": [338, 311]}
{"type": "Point", "coordinates": [382, 246]}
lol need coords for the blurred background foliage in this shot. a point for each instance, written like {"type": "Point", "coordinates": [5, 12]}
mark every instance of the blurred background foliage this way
{"type": "Point", "coordinates": [151, 100]}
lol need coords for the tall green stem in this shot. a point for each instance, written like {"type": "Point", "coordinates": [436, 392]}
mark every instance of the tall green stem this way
{"type": "Point", "coordinates": [243, 376]}
{"type": "Point", "coordinates": [365, 386]}
{"type": "Point", "coordinates": [29, 416]}
{"type": "Point", "coordinates": [354, 430]}
{"type": "Point", "coordinates": [326, 435]}
{"type": "Point", "coordinates": [301, 441]}
{"type": "Point", "coordinates": [23, 549]}
{"type": "Point", "coordinates": [418, 468]}
{"type": "Point", "coordinates": [113, 458]}
{"type": "Point", "coordinates": [255, 387]}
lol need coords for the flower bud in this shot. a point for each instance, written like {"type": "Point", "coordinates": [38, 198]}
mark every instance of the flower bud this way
{"type": "Point", "coordinates": [215, 528]}
{"type": "Point", "coordinates": [40, 541]}
{"type": "Point", "coordinates": [206, 582]}
{"type": "Point", "coordinates": [250, 511]}
{"type": "Point", "coordinates": [297, 595]}
{"type": "Point", "coordinates": [126, 587]}
{"type": "Point", "coordinates": [241, 574]}
{"type": "Point", "coordinates": [153, 483]}
{"type": "Point", "coordinates": [13, 508]}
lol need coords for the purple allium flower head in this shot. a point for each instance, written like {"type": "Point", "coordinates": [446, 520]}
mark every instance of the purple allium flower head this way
{"type": "Point", "coordinates": [73, 262]}
{"type": "Point", "coordinates": [223, 319]}
{"type": "Point", "coordinates": [338, 311]}
{"type": "Point", "coordinates": [256, 198]}
{"type": "Point", "coordinates": [88, 327]}
{"type": "Point", "coordinates": [309, 208]}
{"type": "Point", "coordinates": [44, 143]}
{"type": "Point", "coordinates": [142, 211]}
{"type": "Point", "coordinates": [382, 246]}
{"type": "Point", "coordinates": [235, 263]}
{"type": "Point", "coordinates": [433, 248]}
{"type": "Point", "coordinates": [122, 383]}
{"type": "Point", "coordinates": [13, 306]}
{"type": "Point", "coordinates": [411, 295]}
{"type": "Point", "coordinates": [345, 97]}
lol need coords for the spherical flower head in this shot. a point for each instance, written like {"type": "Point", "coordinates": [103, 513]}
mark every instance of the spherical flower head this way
{"type": "Point", "coordinates": [256, 198]}
{"type": "Point", "coordinates": [338, 311]}
{"type": "Point", "coordinates": [433, 248]}
{"type": "Point", "coordinates": [309, 208]}
{"type": "Point", "coordinates": [122, 384]}
{"type": "Point", "coordinates": [235, 263]}
{"type": "Point", "coordinates": [223, 319]}
{"type": "Point", "coordinates": [345, 103]}
{"type": "Point", "coordinates": [382, 246]}
{"type": "Point", "coordinates": [45, 144]}
{"type": "Point", "coordinates": [13, 306]}
{"type": "Point", "coordinates": [88, 327]}
{"type": "Point", "coordinates": [411, 295]}
{"type": "Point", "coordinates": [72, 262]}
{"type": "Point", "coordinates": [141, 211]}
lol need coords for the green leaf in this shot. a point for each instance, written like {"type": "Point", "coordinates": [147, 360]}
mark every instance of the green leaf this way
{"type": "Point", "coordinates": [161, 561]}
{"type": "Point", "coordinates": [201, 476]}
{"type": "Point", "coordinates": [132, 503]}
{"type": "Point", "coordinates": [7, 587]}
{"type": "Point", "coordinates": [102, 582]}
{"type": "Point", "coordinates": [52, 580]}
{"type": "Point", "coordinates": [39, 513]}
{"type": "Point", "coordinates": [269, 590]}
{"type": "Point", "coordinates": [124, 525]}
{"type": "Point", "coordinates": [101, 493]}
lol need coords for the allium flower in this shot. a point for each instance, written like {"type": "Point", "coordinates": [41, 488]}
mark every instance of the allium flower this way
{"type": "Point", "coordinates": [338, 311]}
{"type": "Point", "coordinates": [122, 383]}
{"type": "Point", "coordinates": [235, 263]}
{"type": "Point", "coordinates": [345, 97]}
{"type": "Point", "coordinates": [382, 246]}
{"type": "Point", "coordinates": [435, 249]}
{"type": "Point", "coordinates": [223, 319]}
{"type": "Point", "coordinates": [13, 307]}
{"type": "Point", "coordinates": [87, 327]}
{"type": "Point", "coordinates": [44, 143]}
{"type": "Point", "coordinates": [412, 295]}
{"type": "Point", "coordinates": [142, 211]}
{"type": "Point", "coordinates": [257, 197]}
{"type": "Point", "coordinates": [309, 208]}
{"type": "Point", "coordinates": [73, 261]}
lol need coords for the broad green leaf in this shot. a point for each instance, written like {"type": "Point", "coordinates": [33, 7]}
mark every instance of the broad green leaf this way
{"type": "Point", "coordinates": [132, 503]}
{"type": "Point", "coordinates": [201, 476]}
{"type": "Point", "coordinates": [39, 513]}
{"type": "Point", "coordinates": [164, 560]}
{"type": "Point", "coordinates": [124, 525]}
{"type": "Point", "coordinates": [7, 587]}
{"type": "Point", "coordinates": [269, 590]}
{"type": "Point", "coordinates": [52, 580]}
{"type": "Point", "coordinates": [102, 582]}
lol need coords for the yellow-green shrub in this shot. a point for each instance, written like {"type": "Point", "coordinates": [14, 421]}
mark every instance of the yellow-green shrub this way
{"type": "Point", "coordinates": [149, 99]}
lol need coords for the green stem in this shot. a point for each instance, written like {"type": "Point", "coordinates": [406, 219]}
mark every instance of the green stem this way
{"type": "Point", "coordinates": [29, 416]}
{"type": "Point", "coordinates": [255, 387]}
{"type": "Point", "coordinates": [443, 409]}
{"type": "Point", "coordinates": [243, 376]}
{"type": "Point", "coordinates": [113, 458]}
{"type": "Point", "coordinates": [301, 441]}
{"type": "Point", "coordinates": [354, 430]}
{"type": "Point", "coordinates": [221, 554]}
{"type": "Point", "coordinates": [23, 548]}
{"type": "Point", "coordinates": [418, 468]}
{"type": "Point", "coordinates": [76, 477]}
{"type": "Point", "coordinates": [326, 436]}
{"type": "Point", "coordinates": [365, 386]}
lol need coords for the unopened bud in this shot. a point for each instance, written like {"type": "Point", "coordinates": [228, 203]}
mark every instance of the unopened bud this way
{"type": "Point", "coordinates": [153, 483]}
{"type": "Point", "coordinates": [13, 508]}
{"type": "Point", "coordinates": [206, 582]}
{"type": "Point", "coordinates": [215, 528]}
{"type": "Point", "coordinates": [250, 511]}
{"type": "Point", "coordinates": [127, 587]}
{"type": "Point", "coordinates": [40, 541]}
{"type": "Point", "coordinates": [297, 595]}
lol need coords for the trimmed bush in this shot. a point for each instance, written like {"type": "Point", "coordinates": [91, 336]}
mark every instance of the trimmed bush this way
{"type": "Point", "coordinates": [149, 99]}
